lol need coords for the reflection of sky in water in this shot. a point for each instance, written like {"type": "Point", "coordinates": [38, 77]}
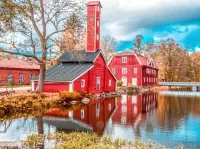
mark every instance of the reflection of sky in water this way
{"type": "Point", "coordinates": [20, 129]}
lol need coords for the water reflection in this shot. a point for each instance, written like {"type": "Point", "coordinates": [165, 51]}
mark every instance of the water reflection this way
{"type": "Point", "coordinates": [161, 117]}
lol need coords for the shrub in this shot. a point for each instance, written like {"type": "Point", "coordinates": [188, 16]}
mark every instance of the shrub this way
{"type": "Point", "coordinates": [67, 96]}
{"type": "Point", "coordinates": [119, 83]}
{"type": "Point", "coordinates": [132, 87]}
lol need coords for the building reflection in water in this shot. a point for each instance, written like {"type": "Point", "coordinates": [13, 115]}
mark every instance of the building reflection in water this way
{"type": "Point", "coordinates": [132, 111]}
{"type": "Point", "coordinates": [92, 117]}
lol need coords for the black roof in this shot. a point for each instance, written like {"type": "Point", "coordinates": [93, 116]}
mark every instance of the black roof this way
{"type": "Point", "coordinates": [78, 56]}
{"type": "Point", "coordinates": [66, 71]}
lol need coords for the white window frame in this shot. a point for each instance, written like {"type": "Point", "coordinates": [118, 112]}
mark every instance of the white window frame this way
{"type": "Point", "coordinates": [98, 8]}
{"type": "Point", "coordinates": [144, 79]}
{"type": "Point", "coordinates": [124, 59]}
{"type": "Point", "coordinates": [98, 78]}
{"type": "Point", "coordinates": [135, 70]}
{"type": "Point", "coordinates": [110, 82]}
{"type": "Point", "coordinates": [124, 70]}
{"type": "Point", "coordinates": [97, 109]}
{"type": "Point", "coordinates": [21, 78]}
{"type": "Point", "coordinates": [97, 23]}
{"type": "Point", "coordinates": [82, 83]}
{"type": "Point", "coordinates": [82, 114]}
{"type": "Point", "coordinates": [10, 77]}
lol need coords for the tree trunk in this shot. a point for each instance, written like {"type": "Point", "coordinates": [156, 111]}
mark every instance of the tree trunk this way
{"type": "Point", "coordinates": [41, 78]}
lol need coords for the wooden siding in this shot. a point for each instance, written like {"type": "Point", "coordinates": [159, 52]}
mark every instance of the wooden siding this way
{"type": "Point", "coordinates": [53, 87]}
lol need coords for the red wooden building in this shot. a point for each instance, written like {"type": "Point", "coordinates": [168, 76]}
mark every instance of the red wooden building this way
{"type": "Point", "coordinates": [94, 115]}
{"type": "Point", "coordinates": [134, 69]}
{"type": "Point", "coordinates": [17, 71]}
{"type": "Point", "coordinates": [84, 70]}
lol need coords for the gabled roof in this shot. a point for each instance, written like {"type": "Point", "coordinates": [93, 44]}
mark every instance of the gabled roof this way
{"type": "Point", "coordinates": [66, 72]}
{"type": "Point", "coordinates": [143, 60]}
{"type": "Point", "coordinates": [16, 63]}
{"type": "Point", "coordinates": [79, 56]}
{"type": "Point", "coordinates": [94, 3]}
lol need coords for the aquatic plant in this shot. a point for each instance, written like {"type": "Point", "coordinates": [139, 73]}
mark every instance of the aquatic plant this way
{"type": "Point", "coordinates": [80, 140]}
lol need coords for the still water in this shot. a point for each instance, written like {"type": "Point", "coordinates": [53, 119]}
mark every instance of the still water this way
{"type": "Point", "coordinates": [169, 118]}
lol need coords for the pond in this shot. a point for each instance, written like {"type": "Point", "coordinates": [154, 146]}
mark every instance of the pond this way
{"type": "Point", "coordinates": [168, 117]}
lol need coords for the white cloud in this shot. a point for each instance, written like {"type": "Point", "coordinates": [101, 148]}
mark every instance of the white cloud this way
{"type": "Point", "coordinates": [123, 19]}
{"type": "Point", "coordinates": [197, 49]}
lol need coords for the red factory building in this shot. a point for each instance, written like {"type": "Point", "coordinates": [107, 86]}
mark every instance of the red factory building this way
{"type": "Point", "coordinates": [84, 70]}
{"type": "Point", "coordinates": [134, 69]}
{"type": "Point", "coordinates": [17, 71]}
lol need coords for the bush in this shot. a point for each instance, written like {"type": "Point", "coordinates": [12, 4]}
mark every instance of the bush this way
{"type": "Point", "coordinates": [67, 96]}
{"type": "Point", "coordinates": [119, 83]}
{"type": "Point", "coordinates": [132, 87]}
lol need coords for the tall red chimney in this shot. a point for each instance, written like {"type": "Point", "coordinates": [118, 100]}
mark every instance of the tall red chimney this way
{"type": "Point", "coordinates": [93, 26]}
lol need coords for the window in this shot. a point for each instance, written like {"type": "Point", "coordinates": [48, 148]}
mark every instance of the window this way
{"type": "Point", "coordinates": [124, 70]}
{"type": "Point", "coordinates": [10, 78]}
{"type": "Point", "coordinates": [98, 8]}
{"type": "Point", "coordinates": [97, 37]}
{"type": "Point", "coordinates": [109, 107]}
{"type": "Point", "coordinates": [70, 114]}
{"type": "Point", "coordinates": [82, 83]}
{"type": "Point", "coordinates": [21, 78]}
{"type": "Point", "coordinates": [124, 59]}
{"type": "Point", "coordinates": [98, 83]}
{"type": "Point", "coordinates": [113, 70]}
{"type": "Point", "coordinates": [110, 82]}
{"type": "Point", "coordinates": [144, 79]}
{"type": "Point", "coordinates": [30, 77]}
{"type": "Point", "coordinates": [97, 23]}
{"type": "Point", "coordinates": [97, 109]}
{"type": "Point", "coordinates": [82, 114]}
{"type": "Point", "coordinates": [135, 70]}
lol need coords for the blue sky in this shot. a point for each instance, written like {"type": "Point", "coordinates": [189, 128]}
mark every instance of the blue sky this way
{"type": "Point", "coordinates": [154, 19]}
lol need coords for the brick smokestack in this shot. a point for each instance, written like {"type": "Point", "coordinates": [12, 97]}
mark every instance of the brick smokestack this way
{"type": "Point", "coordinates": [93, 26]}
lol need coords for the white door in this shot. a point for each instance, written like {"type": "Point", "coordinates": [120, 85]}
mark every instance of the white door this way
{"type": "Point", "coordinates": [124, 81]}
{"type": "Point", "coordinates": [134, 81]}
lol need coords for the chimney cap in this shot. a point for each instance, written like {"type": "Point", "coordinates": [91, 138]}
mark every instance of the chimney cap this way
{"type": "Point", "coordinates": [90, 3]}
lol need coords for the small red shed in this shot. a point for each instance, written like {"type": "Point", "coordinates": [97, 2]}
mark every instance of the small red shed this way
{"type": "Point", "coordinates": [84, 70]}
{"type": "Point", "coordinates": [134, 69]}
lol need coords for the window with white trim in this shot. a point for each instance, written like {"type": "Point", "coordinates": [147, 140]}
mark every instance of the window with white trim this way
{"type": "Point", "coordinates": [98, 83]}
{"type": "Point", "coordinates": [97, 109]}
{"type": "Point", "coordinates": [144, 79]}
{"type": "Point", "coordinates": [135, 70]}
{"type": "Point", "coordinates": [70, 114]}
{"type": "Point", "coordinates": [110, 82]}
{"type": "Point", "coordinates": [82, 114]}
{"type": "Point", "coordinates": [82, 83]}
{"type": "Point", "coordinates": [10, 78]}
{"type": "Point", "coordinates": [113, 70]}
{"type": "Point", "coordinates": [124, 59]}
{"type": "Point", "coordinates": [147, 70]}
{"type": "Point", "coordinates": [124, 70]}
{"type": "Point", "coordinates": [97, 37]}
{"type": "Point", "coordinates": [98, 8]}
{"type": "Point", "coordinates": [97, 23]}
{"type": "Point", "coordinates": [21, 78]}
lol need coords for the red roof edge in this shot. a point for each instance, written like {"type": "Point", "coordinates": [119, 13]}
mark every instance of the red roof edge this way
{"type": "Point", "coordinates": [94, 3]}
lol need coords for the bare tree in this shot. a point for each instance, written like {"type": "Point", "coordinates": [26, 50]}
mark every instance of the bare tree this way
{"type": "Point", "coordinates": [108, 44]}
{"type": "Point", "coordinates": [138, 43]}
{"type": "Point", "coordinates": [32, 27]}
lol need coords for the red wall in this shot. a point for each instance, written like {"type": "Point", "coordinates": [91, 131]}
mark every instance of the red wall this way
{"type": "Point", "coordinates": [15, 73]}
{"type": "Point", "coordinates": [132, 63]}
{"type": "Point", "coordinates": [53, 88]}
{"type": "Point", "coordinates": [99, 70]}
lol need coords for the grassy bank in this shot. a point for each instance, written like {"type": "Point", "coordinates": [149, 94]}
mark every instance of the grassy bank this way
{"type": "Point", "coordinates": [19, 105]}
{"type": "Point", "coordinates": [82, 140]}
